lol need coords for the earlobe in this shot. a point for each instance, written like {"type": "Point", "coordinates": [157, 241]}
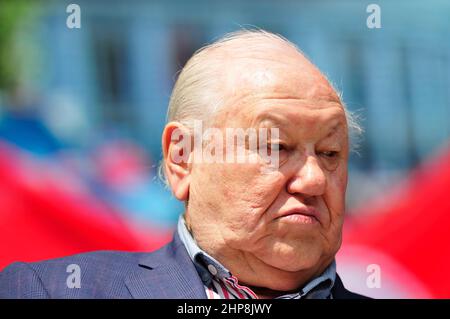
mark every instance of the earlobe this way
{"type": "Point", "coordinates": [176, 142]}
{"type": "Point", "coordinates": [181, 190]}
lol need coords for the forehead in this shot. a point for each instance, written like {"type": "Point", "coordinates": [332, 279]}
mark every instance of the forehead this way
{"type": "Point", "coordinates": [281, 74]}
{"type": "Point", "coordinates": [284, 100]}
{"type": "Point", "coordinates": [277, 85]}
{"type": "Point", "coordinates": [309, 119]}
{"type": "Point", "coordinates": [294, 111]}
{"type": "Point", "coordinates": [268, 81]}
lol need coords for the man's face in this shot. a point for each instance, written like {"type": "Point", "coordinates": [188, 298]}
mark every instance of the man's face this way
{"type": "Point", "coordinates": [290, 217]}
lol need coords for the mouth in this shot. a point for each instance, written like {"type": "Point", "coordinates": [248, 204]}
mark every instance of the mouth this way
{"type": "Point", "coordinates": [301, 215]}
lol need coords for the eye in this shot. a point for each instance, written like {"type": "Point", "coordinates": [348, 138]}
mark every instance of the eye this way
{"type": "Point", "coordinates": [277, 147]}
{"type": "Point", "coordinates": [330, 159]}
{"type": "Point", "coordinates": [329, 154]}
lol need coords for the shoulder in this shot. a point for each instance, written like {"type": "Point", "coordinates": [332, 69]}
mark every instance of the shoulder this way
{"type": "Point", "coordinates": [60, 277]}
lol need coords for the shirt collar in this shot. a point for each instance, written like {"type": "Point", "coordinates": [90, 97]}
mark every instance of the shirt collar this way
{"type": "Point", "coordinates": [206, 265]}
{"type": "Point", "coordinates": [208, 268]}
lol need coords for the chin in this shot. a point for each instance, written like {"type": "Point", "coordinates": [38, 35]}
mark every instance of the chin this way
{"type": "Point", "coordinates": [296, 259]}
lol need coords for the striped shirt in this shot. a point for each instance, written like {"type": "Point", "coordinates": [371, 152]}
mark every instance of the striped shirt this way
{"type": "Point", "coordinates": [219, 283]}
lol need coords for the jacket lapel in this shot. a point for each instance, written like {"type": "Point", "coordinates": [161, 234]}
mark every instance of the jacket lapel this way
{"type": "Point", "coordinates": [340, 292]}
{"type": "Point", "coordinates": [166, 274]}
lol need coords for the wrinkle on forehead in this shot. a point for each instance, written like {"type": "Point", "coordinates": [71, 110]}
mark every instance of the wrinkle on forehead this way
{"type": "Point", "coordinates": [277, 80]}
{"type": "Point", "coordinates": [269, 70]}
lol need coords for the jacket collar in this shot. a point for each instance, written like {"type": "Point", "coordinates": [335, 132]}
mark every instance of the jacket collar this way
{"type": "Point", "coordinates": [166, 274]}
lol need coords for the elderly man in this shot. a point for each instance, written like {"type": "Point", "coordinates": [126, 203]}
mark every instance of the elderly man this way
{"type": "Point", "coordinates": [265, 223]}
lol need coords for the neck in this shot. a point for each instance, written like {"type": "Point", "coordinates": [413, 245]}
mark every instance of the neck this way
{"type": "Point", "coordinates": [264, 279]}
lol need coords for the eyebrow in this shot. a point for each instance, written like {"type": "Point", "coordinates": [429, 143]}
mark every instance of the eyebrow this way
{"type": "Point", "coordinates": [274, 119]}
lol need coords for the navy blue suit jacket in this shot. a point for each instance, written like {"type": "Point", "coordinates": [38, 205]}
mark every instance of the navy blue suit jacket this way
{"type": "Point", "coordinates": [165, 273]}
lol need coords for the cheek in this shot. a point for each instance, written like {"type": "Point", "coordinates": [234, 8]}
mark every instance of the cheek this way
{"type": "Point", "coordinates": [249, 183]}
{"type": "Point", "coordinates": [247, 194]}
{"type": "Point", "coordinates": [335, 193]}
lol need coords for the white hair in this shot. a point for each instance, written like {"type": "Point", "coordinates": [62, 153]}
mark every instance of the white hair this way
{"type": "Point", "coordinates": [197, 94]}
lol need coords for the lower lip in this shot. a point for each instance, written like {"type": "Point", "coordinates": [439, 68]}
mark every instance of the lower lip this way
{"type": "Point", "coordinates": [300, 219]}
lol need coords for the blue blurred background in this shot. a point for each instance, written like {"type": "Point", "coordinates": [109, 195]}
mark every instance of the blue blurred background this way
{"type": "Point", "coordinates": [92, 101]}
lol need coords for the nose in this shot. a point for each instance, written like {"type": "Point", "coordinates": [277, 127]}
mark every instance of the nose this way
{"type": "Point", "coordinates": [309, 180]}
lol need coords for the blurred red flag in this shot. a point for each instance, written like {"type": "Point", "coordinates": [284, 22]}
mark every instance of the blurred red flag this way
{"type": "Point", "coordinates": [46, 214]}
{"type": "Point", "coordinates": [407, 233]}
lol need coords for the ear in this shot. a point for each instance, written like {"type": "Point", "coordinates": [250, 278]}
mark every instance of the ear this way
{"type": "Point", "coordinates": [176, 144]}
